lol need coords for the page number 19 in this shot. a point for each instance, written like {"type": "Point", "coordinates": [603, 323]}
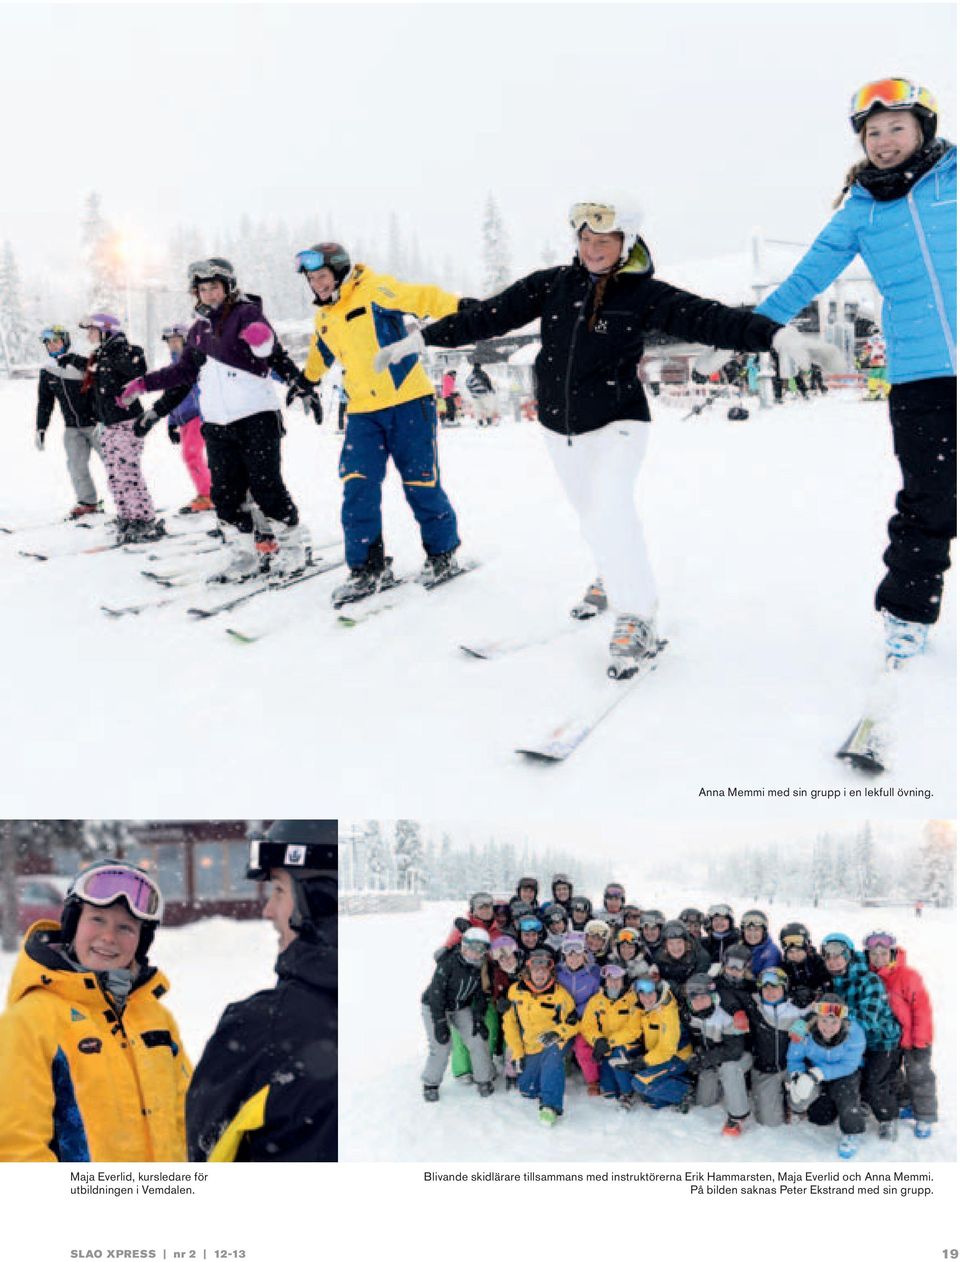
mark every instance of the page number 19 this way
{"type": "Point", "coordinates": [951, 1253]}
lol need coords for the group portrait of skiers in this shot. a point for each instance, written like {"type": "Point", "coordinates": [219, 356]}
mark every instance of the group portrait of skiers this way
{"type": "Point", "coordinates": [692, 1011]}
{"type": "Point", "coordinates": [92, 1062]}
{"type": "Point", "coordinates": [896, 210]}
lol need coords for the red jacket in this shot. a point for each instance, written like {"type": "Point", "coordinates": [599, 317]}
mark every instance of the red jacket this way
{"type": "Point", "coordinates": [909, 1001]}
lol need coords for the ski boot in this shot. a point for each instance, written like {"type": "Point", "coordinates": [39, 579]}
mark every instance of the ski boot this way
{"type": "Point", "coordinates": [485, 1089]}
{"type": "Point", "coordinates": [466, 1079]}
{"type": "Point", "coordinates": [243, 558]}
{"type": "Point", "coordinates": [292, 553]}
{"type": "Point", "coordinates": [199, 504]}
{"type": "Point", "coordinates": [888, 1131]}
{"type": "Point", "coordinates": [431, 1094]}
{"type": "Point", "coordinates": [375, 575]}
{"type": "Point", "coordinates": [141, 531]}
{"type": "Point", "coordinates": [922, 1130]}
{"type": "Point", "coordinates": [548, 1116]}
{"type": "Point", "coordinates": [510, 1084]}
{"type": "Point", "coordinates": [437, 569]}
{"type": "Point", "coordinates": [83, 510]}
{"type": "Point", "coordinates": [626, 1102]}
{"type": "Point", "coordinates": [733, 1128]}
{"type": "Point", "coordinates": [848, 1147]}
{"type": "Point", "coordinates": [594, 601]}
{"type": "Point", "coordinates": [593, 1088]}
{"type": "Point", "coordinates": [633, 640]}
{"type": "Point", "coordinates": [903, 640]}
{"type": "Point", "coordinates": [906, 1112]}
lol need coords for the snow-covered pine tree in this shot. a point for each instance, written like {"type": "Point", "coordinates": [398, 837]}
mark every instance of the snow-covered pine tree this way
{"type": "Point", "coordinates": [15, 333]}
{"type": "Point", "coordinates": [938, 863]}
{"type": "Point", "coordinates": [102, 257]}
{"type": "Point", "coordinates": [396, 263]}
{"type": "Point", "coordinates": [865, 865]}
{"type": "Point", "coordinates": [408, 854]}
{"type": "Point", "coordinates": [496, 250]}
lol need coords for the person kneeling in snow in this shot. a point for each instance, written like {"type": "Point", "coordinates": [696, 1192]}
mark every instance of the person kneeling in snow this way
{"type": "Point", "coordinates": [720, 1059]}
{"type": "Point", "coordinates": [540, 1021]}
{"type": "Point", "coordinates": [824, 1071]}
{"type": "Point", "coordinates": [772, 1017]}
{"type": "Point", "coordinates": [654, 1069]}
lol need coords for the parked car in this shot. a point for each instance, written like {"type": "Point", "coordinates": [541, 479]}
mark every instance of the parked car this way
{"type": "Point", "coordinates": [38, 898]}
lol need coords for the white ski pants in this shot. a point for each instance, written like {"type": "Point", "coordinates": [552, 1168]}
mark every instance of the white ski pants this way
{"type": "Point", "coordinates": [599, 473]}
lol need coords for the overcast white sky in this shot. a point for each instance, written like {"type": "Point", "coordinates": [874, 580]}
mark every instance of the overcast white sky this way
{"type": "Point", "coordinates": [715, 117]}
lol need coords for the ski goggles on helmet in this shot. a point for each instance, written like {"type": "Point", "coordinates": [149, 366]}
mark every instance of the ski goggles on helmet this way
{"type": "Point", "coordinates": [675, 929]}
{"type": "Point", "coordinates": [880, 939]}
{"type": "Point", "coordinates": [597, 216]}
{"type": "Point", "coordinates": [628, 935]}
{"type": "Point", "coordinates": [311, 260]}
{"type": "Point", "coordinates": [540, 957]}
{"type": "Point", "coordinates": [774, 977]}
{"type": "Point", "coordinates": [530, 924]}
{"type": "Point", "coordinates": [54, 332]}
{"type": "Point", "coordinates": [889, 94]}
{"type": "Point", "coordinates": [754, 920]}
{"type": "Point", "coordinates": [482, 900]}
{"type": "Point", "coordinates": [789, 940]}
{"type": "Point", "coordinates": [614, 891]}
{"type": "Point", "coordinates": [174, 330]}
{"type": "Point", "coordinates": [645, 986]}
{"type": "Point", "coordinates": [103, 886]}
{"type": "Point", "coordinates": [839, 1010]}
{"type": "Point", "coordinates": [612, 970]}
{"type": "Point", "coordinates": [834, 950]}
{"type": "Point", "coordinates": [720, 909]}
{"type": "Point", "coordinates": [734, 965]}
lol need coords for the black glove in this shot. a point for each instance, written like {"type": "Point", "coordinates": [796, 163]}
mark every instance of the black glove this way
{"type": "Point", "coordinates": [441, 1032]}
{"type": "Point", "coordinates": [145, 423]}
{"type": "Point", "coordinates": [461, 924]}
{"type": "Point", "coordinates": [695, 1063]}
{"type": "Point", "coordinates": [173, 433]}
{"type": "Point", "coordinates": [601, 1050]}
{"type": "Point", "coordinates": [503, 1004]}
{"type": "Point", "coordinates": [480, 1030]}
{"type": "Point", "coordinates": [699, 378]}
{"type": "Point", "coordinates": [548, 1038]}
{"type": "Point", "coordinates": [304, 390]}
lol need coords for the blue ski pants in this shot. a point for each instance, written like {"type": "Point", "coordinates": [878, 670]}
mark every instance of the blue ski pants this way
{"type": "Point", "coordinates": [543, 1077]}
{"type": "Point", "coordinates": [666, 1084]}
{"type": "Point", "coordinates": [408, 433]}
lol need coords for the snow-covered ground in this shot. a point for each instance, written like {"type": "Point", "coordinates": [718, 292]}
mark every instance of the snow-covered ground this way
{"type": "Point", "coordinates": [209, 964]}
{"type": "Point", "coordinates": [385, 963]}
{"type": "Point", "coordinates": [766, 538]}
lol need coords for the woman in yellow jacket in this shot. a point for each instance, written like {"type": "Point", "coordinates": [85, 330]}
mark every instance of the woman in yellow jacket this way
{"type": "Point", "coordinates": [391, 413]}
{"type": "Point", "coordinates": [92, 1066]}
{"type": "Point", "coordinates": [537, 1026]}
{"type": "Point", "coordinates": [611, 1021]}
{"type": "Point", "coordinates": [654, 1070]}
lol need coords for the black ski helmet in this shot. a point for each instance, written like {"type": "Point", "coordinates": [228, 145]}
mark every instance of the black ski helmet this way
{"type": "Point", "coordinates": [794, 930]}
{"type": "Point", "coordinates": [327, 254]}
{"type": "Point", "coordinates": [212, 269]}
{"type": "Point", "coordinates": [307, 849]}
{"type": "Point", "coordinates": [149, 917]}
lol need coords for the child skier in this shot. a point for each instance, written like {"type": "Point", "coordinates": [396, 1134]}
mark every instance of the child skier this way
{"type": "Point", "coordinates": [184, 427]}
{"type": "Point", "coordinates": [61, 382]}
{"type": "Point", "coordinates": [900, 217]}
{"type": "Point", "coordinates": [92, 1066]}
{"type": "Point", "coordinates": [823, 1070]}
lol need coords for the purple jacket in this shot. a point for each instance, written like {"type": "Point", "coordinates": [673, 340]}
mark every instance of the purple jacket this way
{"type": "Point", "coordinates": [581, 985]}
{"type": "Point", "coordinates": [233, 381]}
{"type": "Point", "coordinates": [188, 410]}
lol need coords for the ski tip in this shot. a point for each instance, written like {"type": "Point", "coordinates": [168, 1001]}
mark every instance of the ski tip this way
{"type": "Point", "coordinates": [240, 637]}
{"type": "Point", "coordinates": [475, 651]}
{"type": "Point", "coordinates": [861, 761]}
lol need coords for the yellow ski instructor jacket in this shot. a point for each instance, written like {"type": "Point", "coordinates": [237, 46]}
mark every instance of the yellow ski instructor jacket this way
{"type": "Point", "coordinates": [78, 1082]}
{"type": "Point", "coordinates": [368, 315]}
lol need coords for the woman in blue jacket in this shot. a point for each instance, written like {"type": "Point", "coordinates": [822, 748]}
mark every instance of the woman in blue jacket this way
{"type": "Point", "coordinates": [900, 217]}
{"type": "Point", "coordinates": [823, 1071]}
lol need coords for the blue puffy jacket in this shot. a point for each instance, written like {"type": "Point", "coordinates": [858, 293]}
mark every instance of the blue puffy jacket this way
{"type": "Point", "coordinates": [835, 1061]}
{"type": "Point", "coordinates": [581, 985]}
{"type": "Point", "coordinates": [765, 955]}
{"type": "Point", "coordinates": [910, 246]}
{"type": "Point", "coordinates": [188, 409]}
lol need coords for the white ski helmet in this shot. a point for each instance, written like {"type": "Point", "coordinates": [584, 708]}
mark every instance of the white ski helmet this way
{"type": "Point", "coordinates": [612, 214]}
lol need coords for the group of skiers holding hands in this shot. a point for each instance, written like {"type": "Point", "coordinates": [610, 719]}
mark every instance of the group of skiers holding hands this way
{"type": "Point", "coordinates": [898, 212]}
{"type": "Point", "coordinates": [673, 1012]}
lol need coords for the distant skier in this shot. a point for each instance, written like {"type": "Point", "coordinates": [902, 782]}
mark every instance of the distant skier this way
{"type": "Point", "coordinates": [231, 351]}
{"type": "Point", "coordinates": [265, 1088]}
{"type": "Point", "coordinates": [61, 382]}
{"type": "Point", "coordinates": [903, 192]}
{"type": "Point", "coordinates": [184, 427]}
{"type": "Point", "coordinates": [484, 395]}
{"type": "Point", "coordinates": [594, 314]}
{"type": "Point", "coordinates": [113, 361]}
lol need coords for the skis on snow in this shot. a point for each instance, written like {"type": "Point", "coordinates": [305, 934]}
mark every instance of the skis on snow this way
{"type": "Point", "coordinates": [257, 586]}
{"type": "Point", "coordinates": [868, 747]}
{"type": "Point", "coordinates": [559, 742]}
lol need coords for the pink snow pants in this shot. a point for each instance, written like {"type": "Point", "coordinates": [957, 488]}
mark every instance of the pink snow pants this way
{"type": "Point", "coordinates": [194, 454]}
{"type": "Point", "coordinates": [122, 450]}
{"type": "Point", "coordinates": [584, 1054]}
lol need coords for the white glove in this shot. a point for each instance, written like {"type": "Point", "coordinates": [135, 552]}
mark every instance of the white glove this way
{"type": "Point", "coordinates": [411, 345]}
{"type": "Point", "coordinates": [709, 362]}
{"type": "Point", "coordinates": [715, 969]}
{"type": "Point", "coordinates": [801, 1087]}
{"type": "Point", "coordinates": [804, 349]}
{"type": "Point", "coordinates": [39, 438]}
{"type": "Point", "coordinates": [816, 1074]}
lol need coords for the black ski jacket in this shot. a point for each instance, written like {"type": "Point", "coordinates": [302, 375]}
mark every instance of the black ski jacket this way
{"type": "Point", "coordinates": [455, 984]}
{"type": "Point", "coordinates": [586, 372]}
{"type": "Point", "coordinates": [677, 972]}
{"type": "Point", "coordinates": [808, 979]}
{"type": "Point", "coordinates": [112, 364]}
{"type": "Point", "coordinates": [266, 1085]}
{"type": "Point", "coordinates": [61, 382]}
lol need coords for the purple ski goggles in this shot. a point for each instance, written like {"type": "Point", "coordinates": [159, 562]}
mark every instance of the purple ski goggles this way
{"type": "Point", "coordinates": [103, 886]}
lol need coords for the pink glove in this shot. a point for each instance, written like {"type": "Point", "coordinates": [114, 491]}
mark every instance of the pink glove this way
{"type": "Point", "coordinates": [259, 337]}
{"type": "Point", "coordinates": [741, 1022]}
{"type": "Point", "coordinates": [130, 392]}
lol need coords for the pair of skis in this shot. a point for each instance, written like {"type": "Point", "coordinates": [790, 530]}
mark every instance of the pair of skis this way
{"type": "Point", "coordinates": [869, 746]}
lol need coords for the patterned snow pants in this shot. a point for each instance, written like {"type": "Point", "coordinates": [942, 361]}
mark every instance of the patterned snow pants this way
{"type": "Point", "coordinates": [121, 450]}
